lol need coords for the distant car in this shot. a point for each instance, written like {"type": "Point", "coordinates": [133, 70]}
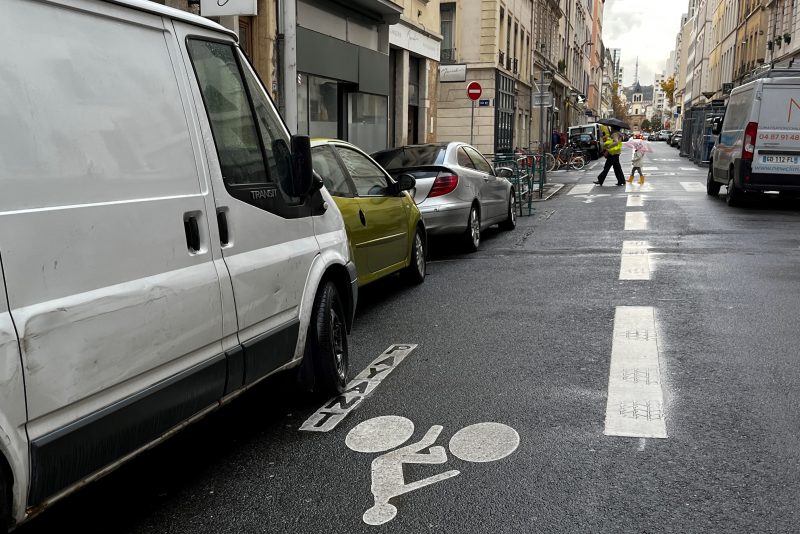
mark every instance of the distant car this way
{"type": "Point", "coordinates": [676, 140]}
{"type": "Point", "coordinates": [457, 190]}
{"type": "Point", "coordinates": [652, 136]}
{"type": "Point", "coordinates": [385, 229]}
{"type": "Point", "coordinates": [678, 134]}
{"type": "Point", "coordinates": [664, 135]}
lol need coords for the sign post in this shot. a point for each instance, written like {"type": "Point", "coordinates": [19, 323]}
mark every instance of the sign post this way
{"type": "Point", "coordinates": [474, 91]}
{"type": "Point", "coordinates": [543, 86]}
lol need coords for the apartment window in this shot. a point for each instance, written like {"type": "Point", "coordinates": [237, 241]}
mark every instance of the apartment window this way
{"type": "Point", "coordinates": [448, 16]}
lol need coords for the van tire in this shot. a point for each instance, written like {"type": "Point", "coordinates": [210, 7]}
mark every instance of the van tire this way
{"type": "Point", "coordinates": [415, 272]}
{"type": "Point", "coordinates": [5, 498]}
{"type": "Point", "coordinates": [733, 196]}
{"type": "Point", "coordinates": [326, 345]}
{"type": "Point", "coordinates": [712, 187]}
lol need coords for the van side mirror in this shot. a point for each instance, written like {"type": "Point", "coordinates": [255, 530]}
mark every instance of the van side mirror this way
{"type": "Point", "coordinates": [716, 126]}
{"type": "Point", "coordinates": [303, 181]}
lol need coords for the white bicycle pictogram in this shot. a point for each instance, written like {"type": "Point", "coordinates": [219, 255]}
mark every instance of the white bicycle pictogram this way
{"type": "Point", "coordinates": [481, 442]}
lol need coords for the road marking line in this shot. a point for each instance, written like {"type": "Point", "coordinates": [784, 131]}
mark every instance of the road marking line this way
{"type": "Point", "coordinates": [636, 188]}
{"type": "Point", "coordinates": [635, 261]}
{"type": "Point", "coordinates": [649, 168]}
{"type": "Point", "coordinates": [693, 169]}
{"type": "Point", "coordinates": [635, 201]}
{"type": "Point", "coordinates": [581, 189]}
{"type": "Point", "coordinates": [693, 187]}
{"type": "Point", "coordinates": [635, 220]}
{"type": "Point", "coordinates": [635, 406]}
{"type": "Point", "coordinates": [332, 412]}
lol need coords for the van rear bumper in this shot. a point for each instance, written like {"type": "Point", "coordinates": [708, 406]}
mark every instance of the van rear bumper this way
{"type": "Point", "coordinates": [749, 181]}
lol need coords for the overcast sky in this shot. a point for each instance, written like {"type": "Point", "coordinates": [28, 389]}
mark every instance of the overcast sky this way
{"type": "Point", "coordinates": [643, 28]}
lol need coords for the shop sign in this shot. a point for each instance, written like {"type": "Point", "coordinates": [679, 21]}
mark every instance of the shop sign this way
{"type": "Point", "coordinates": [413, 41]}
{"type": "Point", "coordinates": [452, 73]}
{"type": "Point", "coordinates": [224, 8]}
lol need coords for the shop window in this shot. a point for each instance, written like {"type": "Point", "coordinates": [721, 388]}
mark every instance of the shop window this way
{"type": "Point", "coordinates": [367, 123]}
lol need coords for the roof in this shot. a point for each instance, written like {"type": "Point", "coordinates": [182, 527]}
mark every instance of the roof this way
{"type": "Point", "coordinates": [177, 14]}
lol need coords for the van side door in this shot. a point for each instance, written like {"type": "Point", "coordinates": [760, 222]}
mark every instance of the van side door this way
{"type": "Point", "coordinates": [269, 243]}
{"type": "Point", "coordinates": [13, 439]}
{"type": "Point", "coordinates": [104, 236]}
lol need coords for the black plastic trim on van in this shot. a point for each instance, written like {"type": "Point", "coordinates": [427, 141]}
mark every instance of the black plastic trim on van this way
{"type": "Point", "coordinates": [269, 351]}
{"type": "Point", "coordinates": [67, 455]}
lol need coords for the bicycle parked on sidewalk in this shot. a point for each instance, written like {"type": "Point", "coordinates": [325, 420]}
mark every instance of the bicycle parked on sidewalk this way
{"type": "Point", "coordinates": [570, 156]}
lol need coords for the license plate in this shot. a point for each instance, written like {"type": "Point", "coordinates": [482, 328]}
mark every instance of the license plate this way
{"type": "Point", "coordinates": [780, 159]}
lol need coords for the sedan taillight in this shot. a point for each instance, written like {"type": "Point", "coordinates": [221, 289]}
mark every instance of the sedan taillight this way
{"type": "Point", "coordinates": [443, 184]}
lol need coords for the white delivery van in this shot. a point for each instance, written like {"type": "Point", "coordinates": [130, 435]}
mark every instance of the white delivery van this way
{"type": "Point", "coordinates": [759, 139]}
{"type": "Point", "coordinates": [163, 242]}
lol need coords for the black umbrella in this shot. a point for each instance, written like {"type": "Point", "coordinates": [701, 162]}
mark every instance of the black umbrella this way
{"type": "Point", "coordinates": [615, 122]}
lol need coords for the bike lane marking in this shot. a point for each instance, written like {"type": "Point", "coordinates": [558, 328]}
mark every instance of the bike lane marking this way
{"type": "Point", "coordinates": [333, 411]}
{"type": "Point", "coordinates": [635, 220]}
{"type": "Point", "coordinates": [635, 406]}
{"type": "Point", "coordinates": [635, 261]}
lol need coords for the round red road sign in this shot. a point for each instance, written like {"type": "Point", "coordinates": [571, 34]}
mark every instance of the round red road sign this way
{"type": "Point", "coordinates": [474, 90]}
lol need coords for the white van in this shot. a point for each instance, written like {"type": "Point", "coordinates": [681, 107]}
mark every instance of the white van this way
{"type": "Point", "coordinates": [163, 245]}
{"type": "Point", "coordinates": [759, 139]}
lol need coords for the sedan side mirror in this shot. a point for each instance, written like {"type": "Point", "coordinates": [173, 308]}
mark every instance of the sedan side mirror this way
{"type": "Point", "coordinates": [504, 172]}
{"type": "Point", "coordinates": [404, 182]}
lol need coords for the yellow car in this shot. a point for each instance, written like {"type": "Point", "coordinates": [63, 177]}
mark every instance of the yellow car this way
{"type": "Point", "coordinates": [384, 226]}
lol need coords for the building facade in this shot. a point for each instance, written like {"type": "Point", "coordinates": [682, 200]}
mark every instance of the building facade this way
{"type": "Point", "coordinates": [782, 32]}
{"type": "Point", "coordinates": [500, 60]}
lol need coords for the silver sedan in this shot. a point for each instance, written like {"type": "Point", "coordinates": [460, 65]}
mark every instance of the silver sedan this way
{"type": "Point", "coordinates": [457, 191]}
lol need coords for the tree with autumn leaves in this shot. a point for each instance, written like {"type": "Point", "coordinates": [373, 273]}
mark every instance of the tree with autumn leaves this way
{"type": "Point", "coordinates": [618, 107]}
{"type": "Point", "coordinates": [668, 86]}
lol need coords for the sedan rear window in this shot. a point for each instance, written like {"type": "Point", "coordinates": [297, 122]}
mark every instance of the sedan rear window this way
{"type": "Point", "coordinates": [414, 156]}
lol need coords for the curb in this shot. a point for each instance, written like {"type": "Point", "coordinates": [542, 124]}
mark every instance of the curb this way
{"type": "Point", "coordinates": [549, 190]}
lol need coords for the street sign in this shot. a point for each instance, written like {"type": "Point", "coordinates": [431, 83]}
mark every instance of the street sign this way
{"type": "Point", "coordinates": [474, 90]}
{"type": "Point", "coordinates": [484, 102]}
{"type": "Point", "coordinates": [546, 100]}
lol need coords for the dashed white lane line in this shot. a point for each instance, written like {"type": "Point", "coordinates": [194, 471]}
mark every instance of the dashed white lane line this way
{"type": "Point", "coordinates": [691, 169]}
{"type": "Point", "coordinates": [693, 187]}
{"type": "Point", "coordinates": [636, 188]}
{"type": "Point", "coordinates": [581, 189]}
{"type": "Point", "coordinates": [635, 201]}
{"type": "Point", "coordinates": [635, 406]}
{"type": "Point", "coordinates": [635, 220]}
{"type": "Point", "coordinates": [635, 261]}
{"type": "Point", "coordinates": [336, 409]}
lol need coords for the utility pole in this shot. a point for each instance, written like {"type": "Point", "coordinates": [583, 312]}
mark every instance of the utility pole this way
{"type": "Point", "coordinates": [289, 89]}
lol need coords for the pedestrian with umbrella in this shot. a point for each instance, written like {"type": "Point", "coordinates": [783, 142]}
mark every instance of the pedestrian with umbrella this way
{"type": "Point", "coordinates": [612, 148]}
{"type": "Point", "coordinates": [640, 148]}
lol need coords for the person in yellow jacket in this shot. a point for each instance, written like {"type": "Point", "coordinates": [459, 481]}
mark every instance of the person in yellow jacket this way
{"type": "Point", "coordinates": [612, 148]}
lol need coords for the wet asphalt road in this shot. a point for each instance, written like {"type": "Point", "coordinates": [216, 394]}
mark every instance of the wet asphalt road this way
{"type": "Point", "coordinates": [520, 333]}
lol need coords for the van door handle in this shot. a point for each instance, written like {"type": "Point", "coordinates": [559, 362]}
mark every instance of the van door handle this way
{"type": "Point", "coordinates": [192, 230]}
{"type": "Point", "coordinates": [222, 222]}
{"type": "Point", "coordinates": [362, 217]}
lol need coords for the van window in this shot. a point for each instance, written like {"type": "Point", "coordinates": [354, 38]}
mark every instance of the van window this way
{"type": "Point", "coordinates": [229, 112]}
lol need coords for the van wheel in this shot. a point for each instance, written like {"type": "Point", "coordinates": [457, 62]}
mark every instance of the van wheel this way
{"type": "Point", "coordinates": [326, 357]}
{"type": "Point", "coordinates": [415, 272]}
{"type": "Point", "coordinates": [712, 187]}
{"type": "Point", "coordinates": [734, 196]}
{"type": "Point", "coordinates": [511, 222]}
{"type": "Point", "coordinates": [5, 500]}
{"type": "Point", "coordinates": [472, 237]}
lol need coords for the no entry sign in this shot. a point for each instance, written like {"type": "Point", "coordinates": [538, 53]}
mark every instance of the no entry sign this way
{"type": "Point", "coordinates": [474, 90]}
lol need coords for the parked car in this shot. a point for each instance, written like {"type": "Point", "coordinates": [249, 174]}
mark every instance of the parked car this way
{"type": "Point", "coordinates": [652, 136]}
{"type": "Point", "coordinates": [164, 243]}
{"type": "Point", "coordinates": [758, 148]}
{"type": "Point", "coordinates": [457, 190]}
{"type": "Point", "coordinates": [664, 135]}
{"type": "Point", "coordinates": [672, 138]}
{"type": "Point", "coordinates": [384, 226]}
{"type": "Point", "coordinates": [590, 145]}
{"type": "Point", "coordinates": [585, 143]}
